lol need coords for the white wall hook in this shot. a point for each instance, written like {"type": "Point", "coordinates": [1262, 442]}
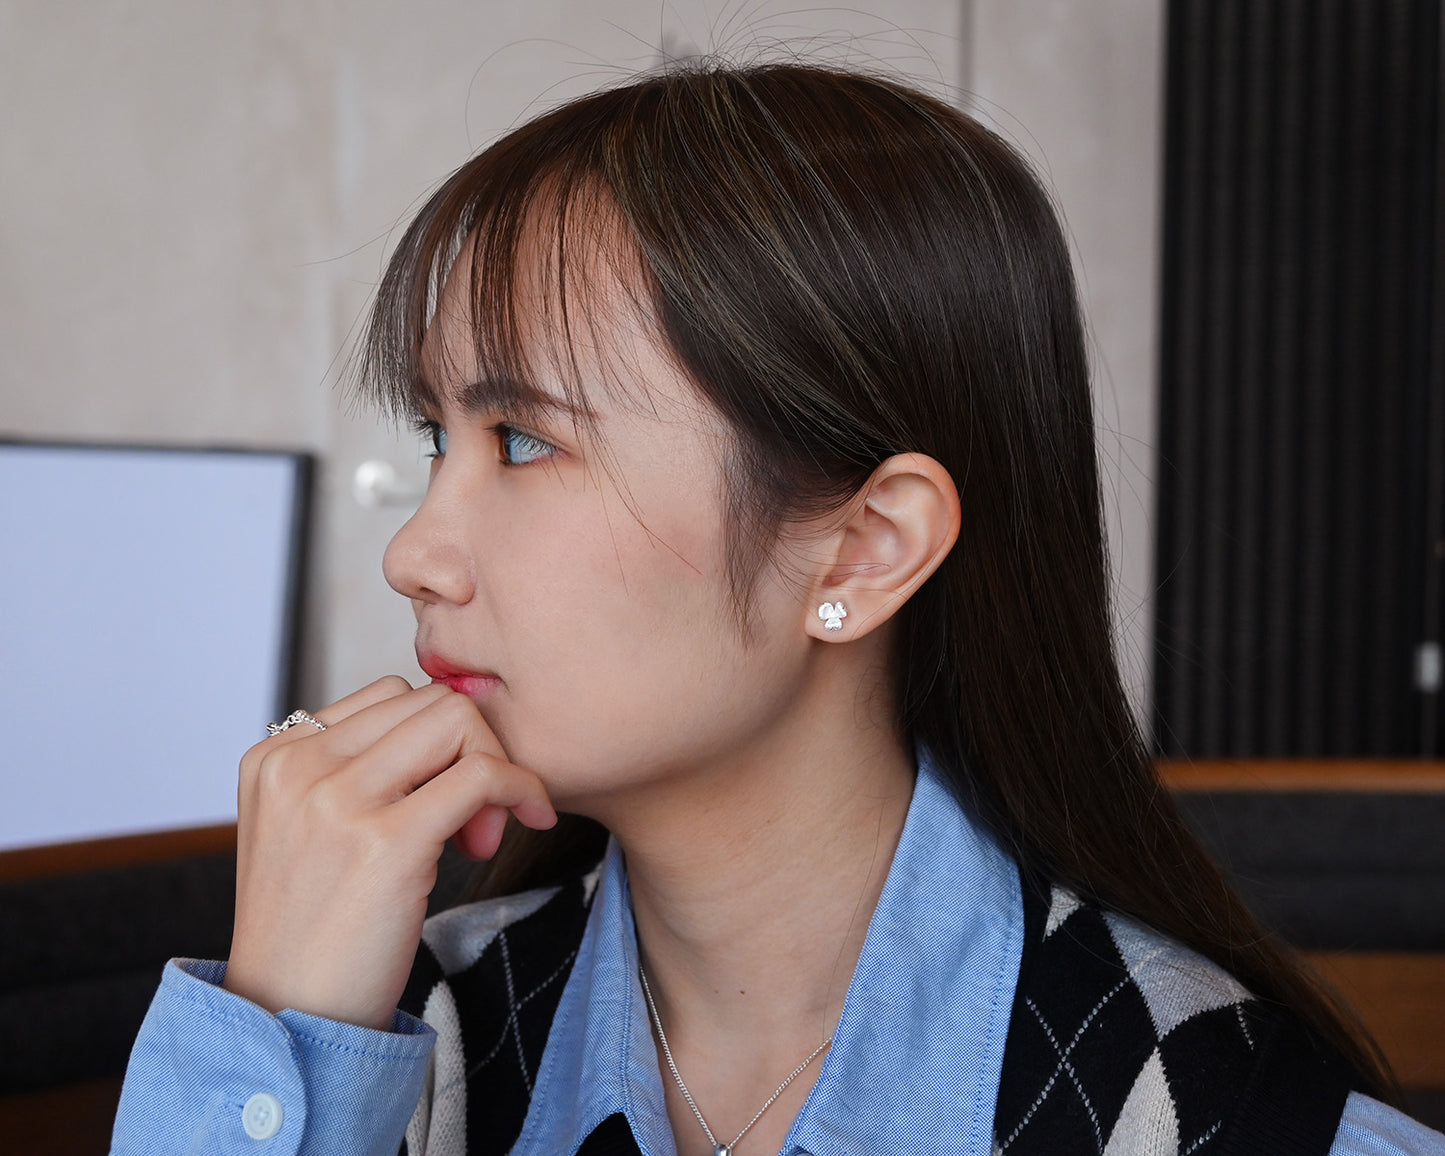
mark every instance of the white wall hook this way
{"type": "Point", "coordinates": [376, 483]}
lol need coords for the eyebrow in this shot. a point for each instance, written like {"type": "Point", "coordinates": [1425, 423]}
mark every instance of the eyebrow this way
{"type": "Point", "coordinates": [518, 398]}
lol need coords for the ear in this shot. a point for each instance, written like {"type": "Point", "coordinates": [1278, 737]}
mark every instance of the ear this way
{"type": "Point", "coordinates": [898, 530]}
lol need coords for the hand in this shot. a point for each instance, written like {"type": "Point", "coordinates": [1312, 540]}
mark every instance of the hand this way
{"type": "Point", "coordinates": [338, 840]}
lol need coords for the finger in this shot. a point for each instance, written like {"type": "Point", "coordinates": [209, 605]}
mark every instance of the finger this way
{"type": "Point", "coordinates": [358, 732]}
{"type": "Point", "coordinates": [420, 746]}
{"type": "Point", "coordinates": [481, 835]}
{"type": "Point", "coordinates": [388, 687]}
{"type": "Point", "coordinates": [443, 805]}
{"type": "Point", "coordinates": [376, 755]}
{"type": "Point", "coordinates": [380, 705]}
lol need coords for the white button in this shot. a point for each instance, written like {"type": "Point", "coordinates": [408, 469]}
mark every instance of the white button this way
{"type": "Point", "coordinates": [262, 1115]}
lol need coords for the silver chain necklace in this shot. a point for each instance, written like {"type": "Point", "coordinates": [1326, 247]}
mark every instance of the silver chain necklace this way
{"type": "Point", "coordinates": [717, 1149]}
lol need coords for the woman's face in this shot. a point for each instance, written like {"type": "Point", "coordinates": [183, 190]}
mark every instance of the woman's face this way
{"type": "Point", "coordinates": [587, 574]}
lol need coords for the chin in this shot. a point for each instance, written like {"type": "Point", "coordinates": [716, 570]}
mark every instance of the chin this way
{"type": "Point", "coordinates": [595, 788]}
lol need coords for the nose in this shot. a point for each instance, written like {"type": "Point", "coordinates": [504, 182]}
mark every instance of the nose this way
{"type": "Point", "coordinates": [427, 558]}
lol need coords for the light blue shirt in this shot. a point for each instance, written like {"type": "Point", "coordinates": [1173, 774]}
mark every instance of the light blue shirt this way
{"type": "Point", "coordinates": [206, 1060]}
{"type": "Point", "coordinates": [922, 1031]}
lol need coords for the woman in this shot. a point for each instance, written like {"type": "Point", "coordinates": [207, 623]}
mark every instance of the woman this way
{"type": "Point", "coordinates": [763, 531]}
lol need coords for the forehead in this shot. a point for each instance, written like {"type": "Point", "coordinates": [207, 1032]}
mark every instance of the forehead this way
{"type": "Point", "coordinates": [564, 333]}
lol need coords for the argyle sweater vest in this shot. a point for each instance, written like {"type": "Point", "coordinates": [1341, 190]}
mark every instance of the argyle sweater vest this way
{"type": "Point", "coordinates": [1121, 1041]}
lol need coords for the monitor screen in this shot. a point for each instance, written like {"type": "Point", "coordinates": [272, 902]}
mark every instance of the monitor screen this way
{"type": "Point", "coordinates": [148, 606]}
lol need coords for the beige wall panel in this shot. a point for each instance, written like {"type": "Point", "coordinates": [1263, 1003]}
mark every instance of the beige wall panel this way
{"type": "Point", "coordinates": [1079, 87]}
{"type": "Point", "coordinates": [164, 204]}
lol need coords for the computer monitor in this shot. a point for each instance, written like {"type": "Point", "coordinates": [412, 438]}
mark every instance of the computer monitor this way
{"type": "Point", "coordinates": [149, 606]}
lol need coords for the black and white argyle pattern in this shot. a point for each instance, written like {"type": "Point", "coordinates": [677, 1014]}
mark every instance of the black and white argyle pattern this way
{"type": "Point", "coordinates": [488, 977]}
{"type": "Point", "coordinates": [1125, 1041]}
{"type": "Point", "coordinates": [1121, 1042]}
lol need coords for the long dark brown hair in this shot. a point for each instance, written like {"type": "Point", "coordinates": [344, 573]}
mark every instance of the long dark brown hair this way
{"type": "Point", "coordinates": [847, 269]}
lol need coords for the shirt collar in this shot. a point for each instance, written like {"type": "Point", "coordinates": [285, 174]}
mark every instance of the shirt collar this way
{"type": "Point", "coordinates": [600, 1057]}
{"type": "Point", "coordinates": [917, 1054]}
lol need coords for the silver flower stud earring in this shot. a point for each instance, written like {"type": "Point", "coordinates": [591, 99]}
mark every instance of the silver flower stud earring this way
{"type": "Point", "coordinates": [832, 614]}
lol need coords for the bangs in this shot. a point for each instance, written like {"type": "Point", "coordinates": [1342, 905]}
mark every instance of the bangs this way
{"type": "Point", "coordinates": [545, 244]}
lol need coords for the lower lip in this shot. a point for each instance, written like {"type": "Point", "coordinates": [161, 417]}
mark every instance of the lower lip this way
{"type": "Point", "coordinates": [472, 685]}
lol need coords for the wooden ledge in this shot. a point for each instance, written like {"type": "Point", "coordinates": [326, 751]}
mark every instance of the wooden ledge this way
{"type": "Point", "coordinates": [74, 1120]}
{"type": "Point", "coordinates": [121, 851]}
{"type": "Point", "coordinates": [1367, 776]}
{"type": "Point", "coordinates": [1364, 776]}
{"type": "Point", "coordinates": [1401, 998]}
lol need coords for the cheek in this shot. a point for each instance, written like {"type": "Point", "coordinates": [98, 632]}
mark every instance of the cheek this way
{"type": "Point", "coordinates": [589, 583]}
{"type": "Point", "coordinates": [624, 642]}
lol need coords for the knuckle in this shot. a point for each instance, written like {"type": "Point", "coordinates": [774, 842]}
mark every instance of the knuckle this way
{"type": "Point", "coordinates": [271, 769]}
{"type": "Point", "coordinates": [434, 692]}
{"type": "Point", "coordinates": [481, 766]}
{"type": "Point", "coordinates": [457, 710]}
{"type": "Point", "coordinates": [251, 760]}
{"type": "Point", "coordinates": [392, 685]}
{"type": "Point", "coordinates": [326, 801]}
{"type": "Point", "coordinates": [259, 751]}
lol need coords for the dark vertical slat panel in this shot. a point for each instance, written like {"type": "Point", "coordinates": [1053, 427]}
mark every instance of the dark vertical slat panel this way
{"type": "Point", "coordinates": [1315, 478]}
{"type": "Point", "coordinates": [1304, 232]}
{"type": "Point", "coordinates": [1378, 393]}
{"type": "Point", "coordinates": [1424, 528]}
{"type": "Point", "coordinates": [1219, 455]}
{"type": "Point", "coordinates": [1162, 728]}
{"type": "Point", "coordinates": [1431, 193]}
{"type": "Point", "coordinates": [1301, 344]}
{"type": "Point", "coordinates": [1393, 500]}
{"type": "Point", "coordinates": [1178, 658]}
{"type": "Point", "coordinates": [1356, 167]}
{"type": "Point", "coordinates": [1252, 374]}
{"type": "Point", "coordinates": [1162, 723]}
{"type": "Point", "coordinates": [1289, 122]}
{"type": "Point", "coordinates": [1192, 462]}
{"type": "Point", "coordinates": [1357, 416]}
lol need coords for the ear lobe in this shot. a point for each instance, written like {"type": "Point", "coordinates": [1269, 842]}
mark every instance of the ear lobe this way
{"type": "Point", "coordinates": [899, 529]}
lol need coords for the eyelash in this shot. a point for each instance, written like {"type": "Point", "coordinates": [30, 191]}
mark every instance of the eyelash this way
{"type": "Point", "coordinates": [425, 427]}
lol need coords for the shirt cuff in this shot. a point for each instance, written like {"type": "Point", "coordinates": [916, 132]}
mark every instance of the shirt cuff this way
{"type": "Point", "coordinates": [213, 1072]}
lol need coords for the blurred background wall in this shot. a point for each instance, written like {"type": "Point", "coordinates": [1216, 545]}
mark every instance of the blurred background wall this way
{"type": "Point", "coordinates": [196, 199]}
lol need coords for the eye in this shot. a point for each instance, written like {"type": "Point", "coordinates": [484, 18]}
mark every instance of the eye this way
{"type": "Point", "coordinates": [427, 428]}
{"type": "Point", "coordinates": [521, 449]}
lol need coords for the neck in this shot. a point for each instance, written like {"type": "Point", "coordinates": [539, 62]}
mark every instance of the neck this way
{"type": "Point", "coordinates": [751, 912]}
{"type": "Point", "coordinates": [754, 875]}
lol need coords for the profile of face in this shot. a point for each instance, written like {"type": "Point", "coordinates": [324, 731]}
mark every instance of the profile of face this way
{"type": "Point", "coordinates": [584, 564]}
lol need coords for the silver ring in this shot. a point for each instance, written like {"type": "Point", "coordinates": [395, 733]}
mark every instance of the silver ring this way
{"type": "Point", "coordinates": [296, 716]}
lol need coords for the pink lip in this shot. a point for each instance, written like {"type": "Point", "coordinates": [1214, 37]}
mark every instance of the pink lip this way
{"type": "Point", "coordinates": [474, 684]}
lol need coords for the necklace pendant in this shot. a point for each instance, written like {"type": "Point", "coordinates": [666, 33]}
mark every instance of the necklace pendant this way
{"type": "Point", "coordinates": [722, 1150]}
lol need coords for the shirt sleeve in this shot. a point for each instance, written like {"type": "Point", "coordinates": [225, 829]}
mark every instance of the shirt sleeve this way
{"type": "Point", "coordinates": [212, 1072]}
{"type": "Point", "coordinates": [1370, 1128]}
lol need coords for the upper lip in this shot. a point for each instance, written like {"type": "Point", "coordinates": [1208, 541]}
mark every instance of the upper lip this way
{"type": "Point", "coordinates": [438, 667]}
